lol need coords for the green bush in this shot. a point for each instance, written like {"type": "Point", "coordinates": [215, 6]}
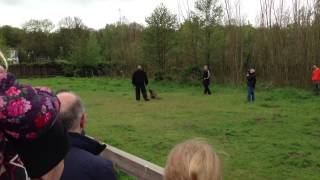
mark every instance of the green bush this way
{"type": "Point", "coordinates": [191, 74]}
{"type": "Point", "coordinates": [158, 76]}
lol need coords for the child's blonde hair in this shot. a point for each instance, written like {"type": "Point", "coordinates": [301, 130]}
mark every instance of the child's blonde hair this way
{"type": "Point", "coordinates": [4, 62]}
{"type": "Point", "coordinates": [192, 160]}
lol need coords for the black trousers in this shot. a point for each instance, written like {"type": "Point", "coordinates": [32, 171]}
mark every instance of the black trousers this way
{"type": "Point", "coordinates": [251, 96]}
{"type": "Point", "coordinates": [206, 84]}
{"type": "Point", "coordinates": [141, 88]}
{"type": "Point", "coordinates": [317, 88]}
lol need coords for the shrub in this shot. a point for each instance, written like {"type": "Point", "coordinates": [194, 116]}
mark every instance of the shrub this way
{"type": "Point", "coordinates": [191, 74]}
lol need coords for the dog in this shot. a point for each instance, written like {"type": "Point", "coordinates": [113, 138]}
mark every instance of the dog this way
{"type": "Point", "coordinates": [153, 94]}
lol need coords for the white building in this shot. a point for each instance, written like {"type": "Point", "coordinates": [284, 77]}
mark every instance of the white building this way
{"type": "Point", "coordinates": [13, 57]}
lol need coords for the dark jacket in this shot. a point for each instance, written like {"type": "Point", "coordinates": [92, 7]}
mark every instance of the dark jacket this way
{"type": "Point", "coordinates": [251, 80]}
{"type": "Point", "coordinates": [140, 77]}
{"type": "Point", "coordinates": [206, 76]}
{"type": "Point", "coordinates": [83, 161]}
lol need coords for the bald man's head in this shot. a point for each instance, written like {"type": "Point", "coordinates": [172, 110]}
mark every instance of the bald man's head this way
{"type": "Point", "coordinates": [71, 110]}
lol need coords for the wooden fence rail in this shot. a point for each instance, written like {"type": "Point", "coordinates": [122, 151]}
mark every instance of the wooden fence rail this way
{"type": "Point", "coordinates": [133, 165]}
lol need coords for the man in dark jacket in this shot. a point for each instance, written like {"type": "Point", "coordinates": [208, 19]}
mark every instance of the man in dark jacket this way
{"type": "Point", "coordinates": [206, 80]}
{"type": "Point", "coordinates": [140, 80]}
{"type": "Point", "coordinates": [83, 162]}
{"type": "Point", "coordinates": [251, 83]}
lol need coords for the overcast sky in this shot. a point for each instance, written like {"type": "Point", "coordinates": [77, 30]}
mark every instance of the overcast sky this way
{"type": "Point", "coordinates": [97, 13]}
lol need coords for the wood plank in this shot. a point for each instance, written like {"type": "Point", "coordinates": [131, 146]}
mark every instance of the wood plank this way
{"type": "Point", "coordinates": [133, 165]}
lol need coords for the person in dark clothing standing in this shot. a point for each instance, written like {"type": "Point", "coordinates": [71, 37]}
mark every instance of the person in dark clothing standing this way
{"type": "Point", "coordinates": [83, 161]}
{"type": "Point", "coordinates": [140, 80]}
{"type": "Point", "coordinates": [206, 80]}
{"type": "Point", "coordinates": [251, 83]}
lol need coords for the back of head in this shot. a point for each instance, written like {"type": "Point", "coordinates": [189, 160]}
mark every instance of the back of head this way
{"type": "Point", "coordinates": [252, 71]}
{"type": "Point", "coordinates": [192, 160]}
{"type": "Point", "coordinates": [72, 110]}
{"type": "Point", "coordinates": [314, 67]}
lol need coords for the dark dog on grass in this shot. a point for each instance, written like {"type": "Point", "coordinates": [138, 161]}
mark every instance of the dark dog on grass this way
{"type": "Point", "coordinates": [153, 94]}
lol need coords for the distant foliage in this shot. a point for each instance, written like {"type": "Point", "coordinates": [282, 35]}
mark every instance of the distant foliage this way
{"type": "Point", "coordinates": [159, 38]}
{"type": "Point", "coordinates": [85, 57]}
{"type": "Point", "coordinates": [192, 74]}
{"type": "Point", "coordinates": [282, 46]}
{"type": "Point", "coordinates": [45, 26]}
{"type": "Point", "coordinates": [2, 43]}
{"type": "Point", "coordinates": [72, 23]}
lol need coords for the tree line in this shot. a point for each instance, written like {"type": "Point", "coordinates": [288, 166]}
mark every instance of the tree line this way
{"type": "Point", "coordinates": [282, 46]}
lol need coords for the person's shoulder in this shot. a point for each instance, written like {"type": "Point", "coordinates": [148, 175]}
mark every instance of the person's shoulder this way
{"type": "Point", "coordinates": [95, 159]}
{"type": "Point", "coordinates": [77, 155]}
{"type": "Point", "coordinates": [75, 152]}
{"type": "Point", "coordinates": [103, 168]}
{"type": "Point", "coordinates": [93, 166]}
{"type": "Point", "coordinates": [86, 143]}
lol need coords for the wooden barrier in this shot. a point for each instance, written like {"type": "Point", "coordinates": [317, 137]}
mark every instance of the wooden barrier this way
{"type": "Point", "coordinates": [133, 165]}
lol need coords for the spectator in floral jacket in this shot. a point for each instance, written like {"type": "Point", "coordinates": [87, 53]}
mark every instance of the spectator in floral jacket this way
{"type": "Point", "coordinates": [30, 132]}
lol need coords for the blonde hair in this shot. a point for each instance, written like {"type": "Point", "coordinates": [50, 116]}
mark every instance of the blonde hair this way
{"type": "Point", "coordinates": [192, 160]}
{"type": "Point", "coordinates": [4, 62]}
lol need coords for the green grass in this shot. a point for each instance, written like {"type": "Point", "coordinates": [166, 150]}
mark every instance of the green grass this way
{"type": "Point", "coordinates": [277, 137]}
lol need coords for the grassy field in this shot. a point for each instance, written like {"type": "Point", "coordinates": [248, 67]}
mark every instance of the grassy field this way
{"type": "Point", "coordinates": [277, 137]}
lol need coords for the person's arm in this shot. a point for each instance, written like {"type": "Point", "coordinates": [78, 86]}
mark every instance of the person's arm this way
{"type": "Point", "coordinates": [103, 170]}
{"type": "Point", "coordinates": [209, 75]}
{"type": "Point", "coordinates": [205, 75]}
{"type": "Point", "coordinates": [146, 79]}
{"type": "Point", "coordinates": [133, 78]}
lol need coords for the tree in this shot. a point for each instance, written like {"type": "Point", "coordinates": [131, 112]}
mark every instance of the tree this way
{"type": "Point", "coordinates": [86, 56]}
{"type": "Point", "coordinates": [2, 44]}
{"type": "Point", "coordinates": [71, 23]}
{"type": "Point", "coordinates": [93, 51]}
{"type": "Point", "coordinates": [13, 37]}
{"type": "Point", "coordinates": [38, 42]}
{"type": "Point", "coordinates": [210, 14]}
{"type": "Point", "coordinates": [45, 26]}
{"type": "Point", "coordinates": [120, 44]}
{"type": "Point", "coordinates": [190, 36]}
{"type": "Point", "coordinates": [159, 36]}
{"type": "Point", "coordinates": [317, 11]}
{"type": "Point", "coordinates": [71, 31]}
